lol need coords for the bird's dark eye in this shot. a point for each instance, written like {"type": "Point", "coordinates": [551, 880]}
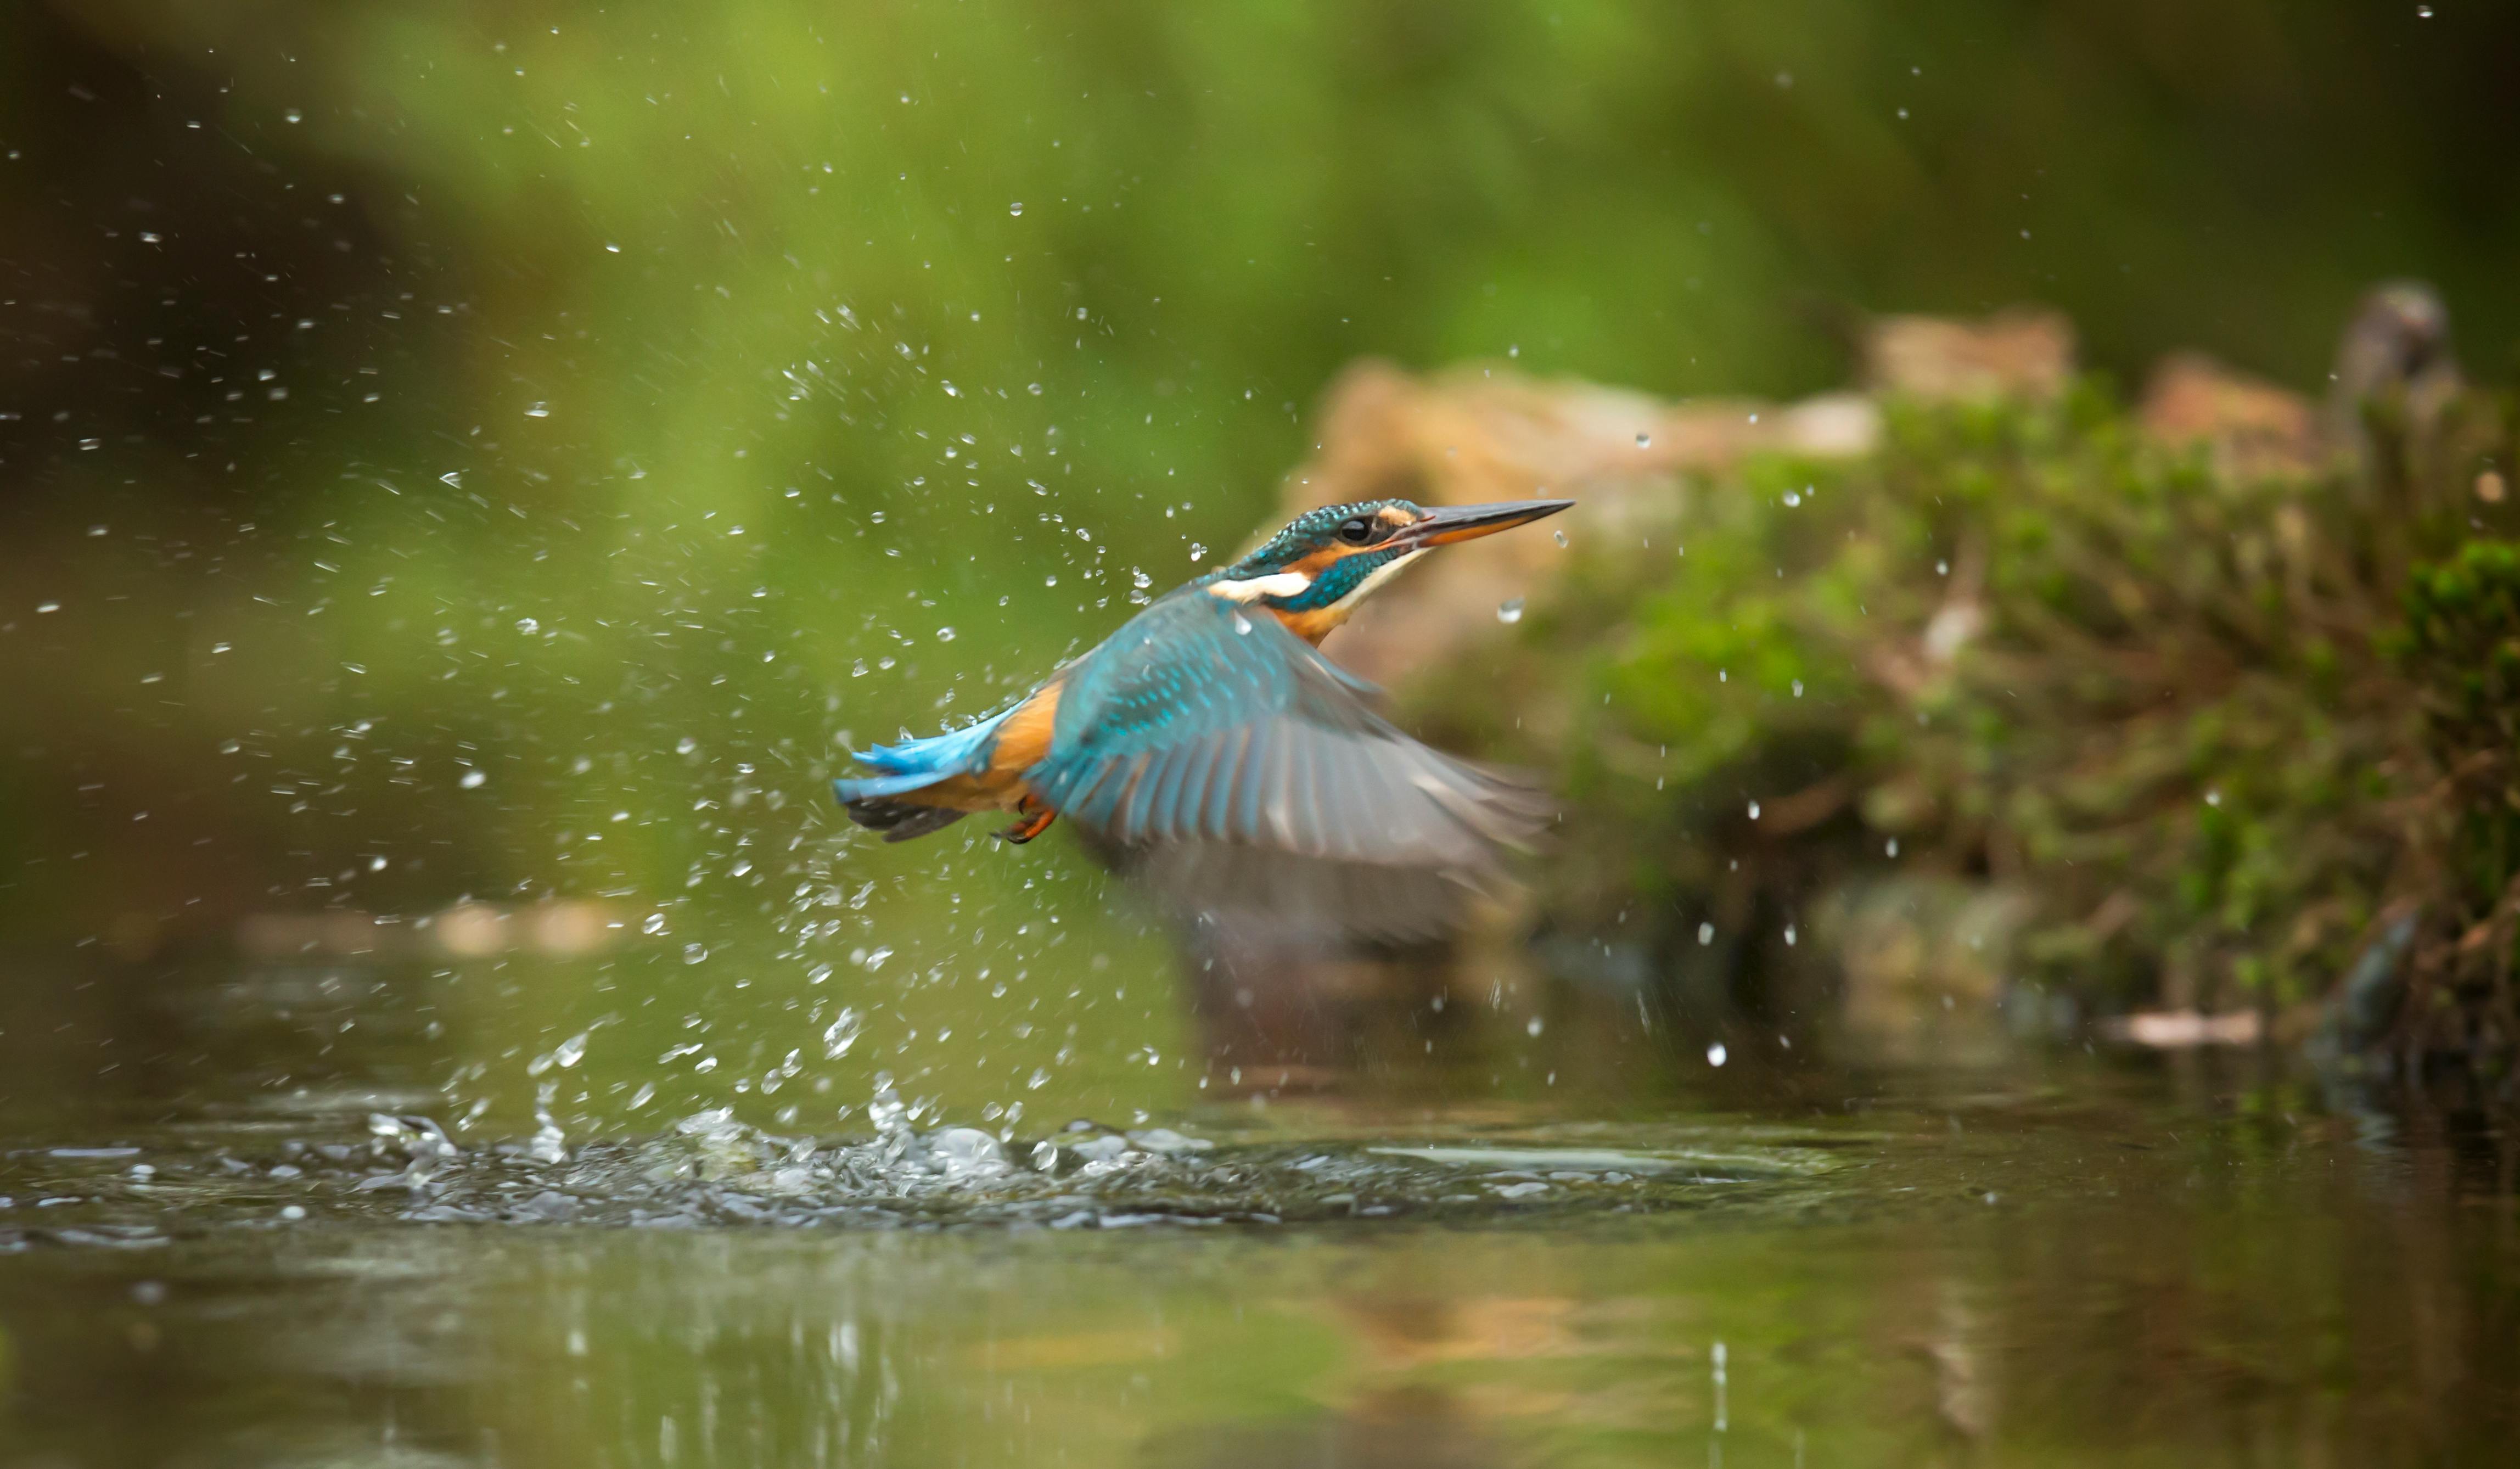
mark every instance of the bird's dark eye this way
{"type": "Point", "coordinates": [1356, 531]}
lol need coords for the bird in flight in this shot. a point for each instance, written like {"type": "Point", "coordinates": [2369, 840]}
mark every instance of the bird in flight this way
{"type": "Point", "coordinates": [1210, 752]}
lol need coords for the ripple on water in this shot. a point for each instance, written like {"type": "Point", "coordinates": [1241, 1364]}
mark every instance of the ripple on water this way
{"type": "Point", "coordinates": [713, 1171]}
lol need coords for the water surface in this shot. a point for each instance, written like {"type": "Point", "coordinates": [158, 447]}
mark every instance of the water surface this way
{"type": "Point", "coordinates": [2051, 1259]}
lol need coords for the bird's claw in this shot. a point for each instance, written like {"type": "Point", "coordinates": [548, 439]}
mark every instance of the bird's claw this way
{"type": "Point", "coordinates": [1033, 824]}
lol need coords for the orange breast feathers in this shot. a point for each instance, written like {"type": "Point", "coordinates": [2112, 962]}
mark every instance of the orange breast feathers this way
{"type": "Point", "coordinates": [1315, 625]}
{"type": "Point", "coordinates": [1023, 741]}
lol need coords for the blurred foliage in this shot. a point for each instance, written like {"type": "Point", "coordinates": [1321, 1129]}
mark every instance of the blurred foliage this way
{"type": "Point", "coordinates": [509, 449]}
{"type": "Point", "coordinates": [2211, 724]}
{"type": "Point", "coordinates": [386, 386]}
{"type": "Point", "coordinates": [2461, 647]}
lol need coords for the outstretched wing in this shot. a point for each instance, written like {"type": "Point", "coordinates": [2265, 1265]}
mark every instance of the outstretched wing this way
{"type": "Point", "coordinates": [1244, 778]}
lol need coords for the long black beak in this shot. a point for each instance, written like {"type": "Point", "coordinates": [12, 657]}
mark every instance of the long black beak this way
{"type": "Point", "coordinates": [1447, 523]}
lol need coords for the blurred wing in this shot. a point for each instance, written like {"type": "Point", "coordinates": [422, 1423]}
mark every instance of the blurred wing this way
{"type": "Point", "coordinates": [1238, 775]}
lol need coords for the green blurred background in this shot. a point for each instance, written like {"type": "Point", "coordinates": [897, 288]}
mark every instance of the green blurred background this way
{"type": "Point", "coordinates": [509, 451]}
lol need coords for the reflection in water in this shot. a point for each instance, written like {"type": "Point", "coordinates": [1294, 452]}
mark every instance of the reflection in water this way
{"type": "Point", "coordinates": [211, 1252]}
{"type": "Point", "coordinates": [1279, 1014]}
{"type": "Point", "coordinates": [2235, 1293]}
{"type": "Point", "coordinates": [1418, 1427]}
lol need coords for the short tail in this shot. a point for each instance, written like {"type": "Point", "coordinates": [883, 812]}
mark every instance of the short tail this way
{"type": "Point", "coordinates": [872, 800]}
{"type": "Point", "coordinates": [850, 788]}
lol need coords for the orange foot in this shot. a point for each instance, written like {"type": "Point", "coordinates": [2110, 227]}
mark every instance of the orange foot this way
{"type": "Point", "coordinates": [1036, 821]}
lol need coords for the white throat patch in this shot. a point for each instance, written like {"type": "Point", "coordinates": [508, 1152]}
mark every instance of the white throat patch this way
{"type": "Point", "coordinates": [1281, 584]}
{"type": "Point", "coordinates": [1379, 576]}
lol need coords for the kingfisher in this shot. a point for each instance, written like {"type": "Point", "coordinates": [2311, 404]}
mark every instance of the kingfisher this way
{"type": "Point", "coordinates": [1208, 750]}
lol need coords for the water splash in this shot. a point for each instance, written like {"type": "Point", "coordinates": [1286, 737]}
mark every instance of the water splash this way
{"type": "Point", "coordinates": [564, 1055]}
{"type": "Point", "coordinates": [550, 1145]}
{"type": "Point", "coordinates": [712, 1169]}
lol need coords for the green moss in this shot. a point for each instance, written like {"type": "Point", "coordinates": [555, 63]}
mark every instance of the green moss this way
{"type": "Point", "coordinates": [2195, 717]}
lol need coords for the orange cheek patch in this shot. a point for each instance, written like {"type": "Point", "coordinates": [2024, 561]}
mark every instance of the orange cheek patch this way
{"type": "Point", "coordinates": [1315, 562]}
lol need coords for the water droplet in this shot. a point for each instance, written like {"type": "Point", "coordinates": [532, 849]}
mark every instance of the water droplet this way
{"type": "Point", "coordinates": [294, 116]}
{"type": "Point", "coordinates": [1561, 537]}
{"type": "Point", "coordinates": [1792, 499]}
{"type": "Point", "coordinates": [944, 634]}
{"type": "Point", "coordinates": [1535, 1027]}
{"type": "Point", "coordinates": [528, 626]}
{"type": "Point", "coordinates": [1510, 609]}
{"type": "Point", "coordinates": [1715, 1055]}
{"type": "Point", "coordinates": [1754, 810]}
{"type": "Point", "coordinates": [1891, 848]}
{"type": "Point", "coordinates": [569, 1053]}
{"type": "Point", "coordinates": [44, 607]}
{"type": "Point", "coordinates": [1789, 936]}
{"type": "Point", "coordinates": [550, 1145]}
{"type": "Point", "coordinates": [2422, 13]}
{"type": "Point", "coordinates": [1016, 209]}
{"type": "Point", "coordinates": [1942, 569]}
{"type": "Point", "coordinates": [539, 410]}
{"type": "Point", "coordinates": [842, 1033]}
{"type": "Point", "coordinates": [1705, 934]}
{"type": "Point", "coordinates": [1242, 624]}
{"type": "Point", "coordinates": [1645, 440]}
{"type": "Point", "coordinates": [472, 780]}
{"type": "Point", "coordinates": [2213, 797]}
